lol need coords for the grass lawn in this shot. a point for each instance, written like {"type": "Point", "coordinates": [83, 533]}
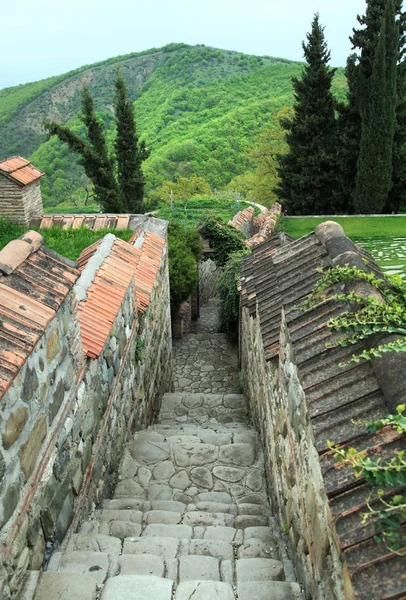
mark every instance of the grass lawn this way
{"type": "Point", "coordinates": [354, 227]}
{"type": "Point", "coordinates": [68, 242]}
{"type": "Point", "coordinates": [198, 208]}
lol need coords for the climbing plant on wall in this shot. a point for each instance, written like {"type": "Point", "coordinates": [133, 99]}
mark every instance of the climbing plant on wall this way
{"type": "Point", "coordinates": [228, 292]}
{"type": "Point", "coordinates": [223, 239]}
{"type": "Point", "coordinates": [379, 313]}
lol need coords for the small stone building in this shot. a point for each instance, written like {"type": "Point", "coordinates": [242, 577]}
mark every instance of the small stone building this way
{"type": "Point", "coordinates": [20, 192]}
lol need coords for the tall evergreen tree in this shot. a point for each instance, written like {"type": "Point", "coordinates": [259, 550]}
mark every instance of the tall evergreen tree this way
{"type": "Point", "coordinates": [130, 153]}
{"type": "Point", "coordinates": [378, 116]}
{"type": "Point", "coordinates": [306, 171]}
{"type": "Point", "coordinates": [93, 154]}
{"type": "Point", "coordinates": [359, 70]}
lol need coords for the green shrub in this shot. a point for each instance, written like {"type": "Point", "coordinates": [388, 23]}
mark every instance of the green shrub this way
{"type": "Point", "coordinates": [228, 292]}
{"type": "Point", "coordinates": [224, 239]}
{"type": "Point", "coordinates": [185, 249]}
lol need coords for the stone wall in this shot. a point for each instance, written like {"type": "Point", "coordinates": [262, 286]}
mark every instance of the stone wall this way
{"type": "Point", "coordinates": [19, 203]}
{"type": "Point", "coordinates": [65, 419]}
{"type": "Point", "coordinates": [209, 273]}
{"type": "Point", "coordinates": [296, 487]}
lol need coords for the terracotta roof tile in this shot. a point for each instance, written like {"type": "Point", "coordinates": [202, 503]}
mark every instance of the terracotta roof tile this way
{"type": "Point", "coordinates": [20, 170]}
{"type": "Point", "coordinates": [279, 277]}
{"type": "Point", "coordinates": [29, 299]}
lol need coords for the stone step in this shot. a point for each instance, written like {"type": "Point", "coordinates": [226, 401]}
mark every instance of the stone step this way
{"type": "Point", "coordinates": [261, 590]}
{"type": "Point", "coordinates": [137, 587]}
{"type": "Point", "coordinates": [181, 435]}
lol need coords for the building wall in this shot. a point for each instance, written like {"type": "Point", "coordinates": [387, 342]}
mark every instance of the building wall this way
{"type": "Point", "coordinates": [19, 203]}
{"type": "Point", "coordinates": [65, 420]}
{"type": "Point", "coordinates": [296, 487]}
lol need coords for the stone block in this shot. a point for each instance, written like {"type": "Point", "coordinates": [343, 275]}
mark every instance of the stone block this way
{"type": "Point", "coordinates": [149, 453]}
{"type": "Point", "coordinates": [10, 501]}
{"type": "Point", "coordinates": [202, 477]}
{"type": "Point", "coordinates": [141, 564]}
{"type": "Point", "coordinates": [194, 454]}
{"type": "Point", "coordinates": [129, 489]}
{"type": "Point", "coordinates": [206, 568]}
{"type": "Point", "coordinates": [164, 471]}
{"type": "Point", "coordinates": [262, 533]}
{"type": "Point", "coordinates": [259, 569]}
{"type": "Point", "coordinates": [229, 474]}
{"type": "Point", "coordinates": [53, 346]}
{"type": "Point", "coordinates": [216, 548]}
{"type": "Point", "coordinates": [29, 451]}
{"type": "Point", "coordinates": [162, 516]}
{"type": "Point", "coordinates": [261, 590]}
{"type": "Point", "coordinates": [30, 384]}
{"type": "Point", "coordinates": [227, 534]}
{"type": "Point", "coordinates": [165, 547]}
{"type": "Point", "coordinates": [65, 586]}
{"type": "Point", "coordinates": [175, 531]}
{"type": "Point", "coordinates": [257, 548]}
{"type": "Point", "coordinates": [245, 521]}
{"type": "Point", "coordinates": [95, 543]}
{"type": "Point", "coordinates": [132, 516]}
{"type": "Point", "coordinates": [222, 497]}
{"type": "Point", "coordinates": [240, 455]}
{"type": "Point", "coordinates": [124, 529]}
{"type": "Point", "coordinates": [204, 590]}
{"type": "Point", "coordinates": [137, 587]}
{"type": "Point", "coordinates": [14, 426]}
{"type": "Point", "coordinates": [95, 564]}
{"type": "Point", "coordinates": [205, 519]}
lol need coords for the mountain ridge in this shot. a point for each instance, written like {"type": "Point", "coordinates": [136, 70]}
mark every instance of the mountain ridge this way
{"type": "Point", "coordinates": [197, 107]}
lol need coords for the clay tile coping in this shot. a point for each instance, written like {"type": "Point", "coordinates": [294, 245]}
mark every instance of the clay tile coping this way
{"type": "Point", "coordinates": [17, 251]}
{"type": "Point", "coordinates": [20, 170]}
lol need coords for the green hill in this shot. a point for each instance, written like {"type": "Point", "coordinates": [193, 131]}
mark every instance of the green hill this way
{"type": "Point", "coordinates": [197, 108]}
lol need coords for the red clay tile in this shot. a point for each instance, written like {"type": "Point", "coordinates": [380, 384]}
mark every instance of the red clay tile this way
{"type": "Point", "coordinates": [20, 170]}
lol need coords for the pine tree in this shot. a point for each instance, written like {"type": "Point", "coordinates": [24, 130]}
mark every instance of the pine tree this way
{"type": "Point", "coordinates": [129, 152]}
{"type": "Point", "coordinates": [378, 117]}
{"type": "Point", "coordinates": [306, 171]}
{"type": "Point", "coordinates": [93, 154]}
{"type": "Point", "coordinates": [359, 70]}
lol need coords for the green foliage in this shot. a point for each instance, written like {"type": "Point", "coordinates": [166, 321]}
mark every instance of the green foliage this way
{"type": "Point", "coordinates": [368, 227]}
{"type": "Point", "coordinates": [307, 170]}
{"type": "Point", "coordinates": [67, 242]}
{"type": "Point", "coordinates": [184, 251]}
{"type": "Point", "coordinates": [229, 295]}
{"type": "Point", "coordinates": [182, 189]}
{"type": "Point", "coordinates": [359, 71]}
{"type": "Point", "coordinates": [374, 167]}
{"type": "Point", "coordinates": [93, 154]}
{"type": "Point", "coordinates": [367, 316]}
{"type": "Point", "coordinates": [197, 209]}
{"type": "Point", "coordinates": [130, 153]}
{"type": "Point", "coordinates": [223, 239]}
{"type": "Point", "coordinates": [391, 510]}
{"type": "Point", "coordinates": [199, 108]}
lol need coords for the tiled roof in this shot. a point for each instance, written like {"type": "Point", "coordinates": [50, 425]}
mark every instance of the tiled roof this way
{"type": "Point", "coordinates": [95, 222]}
{"type": "Point", "coordinates": [20, 170]}
{"type": "Point", "coordinates": [111, 280]}
{"type": "Point", "coordinates": [276, 279]}
{"type": "Point", "coordinates": [34, 282]}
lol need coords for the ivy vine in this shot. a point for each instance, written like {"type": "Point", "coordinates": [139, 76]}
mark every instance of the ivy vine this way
{"type": "Point", "coordinates": [367, 315]}
{"type": "Point", "coordinates": [388, 517]}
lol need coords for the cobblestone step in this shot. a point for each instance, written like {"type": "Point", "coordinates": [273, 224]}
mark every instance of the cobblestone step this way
{"type": "Point", "coordinates": [190, 516]}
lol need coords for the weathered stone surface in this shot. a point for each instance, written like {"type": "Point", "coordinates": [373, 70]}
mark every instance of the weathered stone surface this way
{"type": "Point", "coordinates": [95, 564]}
{"type": "Point", "coordinates": [180, 481]}
{"type": "Point", "coordinates": [65, 586]}
{"type": "Point", "coordinates": [164, 471]}
{"type": "Point", "coordinates": [165, 547]}
{"type": "Point", "coordinates": [132, 516]}
{"type": "Point", "coordinates": [263, 533]}
{"type": "Point", "coordinates": [170, 505]}
{"type": "Point", "coordinates": [217, 548]}
{"type": "Point", "coordinates": [229, 474]}
{"type": "Point", "coordinates": [258, 569]}
{"type": "Point", "coordinates": [202, 477]}
{"type": "Point", "coordinates": [28, 590]}
{"type": "Point", "coordinates": [10, 501]}
{"type": "Point", "coordinates": [162, 516]}
{"type": "Point", "coordinates": [244, 521]}
{"type": "Point", "coordinates": [222, 497]}
{"type": "Point", "coordinates": [204, 519]}
{"type": "Point", "coordinates": [226, 534]}
{"type": "Point", "coordinates": [257, 548]}
{"type": "Point", "coordinates": [260, 591]}
{"type": "Point", "coordinates": [95, 543]}
{"type": "Point", "coordinates": [30, 385]}
{"type": "Point", "coordinates": [206, 568]}
{"type": "Point", "coordinates": [123, 529]}
{"type": "Point", "coordinates": [195, 454]}
{"type": "Point", "coordinates": [149, 453]}
{"type": "Point", "coordinates": [141, 564]}
{"type": "Point", "coordinates": [241, 455]}
{"type": "Point", "coordinates": [175, 531]}
{"type": "Point", "coordinates": [137, 587]}
{"type": "Point", "coordinates": [29, 451]}
{"type": "Point", "coordinates": [217, 507]}
{"type": "Point", "coordinates": [128, 489]}
{"type": "Point", "coordinates": [53, 345]}
{"type": "Point", "coordinates": [254, 480]}
{"type": "Point", "coordinates": [204, 590]}
{"type": "Point", "coordinates": [57, 399]}
{"type": "Point", "coordinates": [159, 491]}
{"type": "Point", "coordinates": [14, 426]}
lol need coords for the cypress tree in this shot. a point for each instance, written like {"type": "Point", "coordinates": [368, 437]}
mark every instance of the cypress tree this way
{"type": "Point", "coordinates": [93, 153]}
{"type": "Point", "coordinates": [129, 152]}
{"type": "Point", "coordinates": [306, 171]}
{"type": "Point", "coordinates": [349, 127]}
{"type": "Point", "coordinates": [378, 116]}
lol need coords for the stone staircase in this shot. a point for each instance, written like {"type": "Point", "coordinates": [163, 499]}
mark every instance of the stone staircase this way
{"type": "Point", "coordinates": [189, 520]}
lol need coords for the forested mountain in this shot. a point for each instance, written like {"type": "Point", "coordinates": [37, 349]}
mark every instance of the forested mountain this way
{"type": "Point", "coordinates": [197, 108]}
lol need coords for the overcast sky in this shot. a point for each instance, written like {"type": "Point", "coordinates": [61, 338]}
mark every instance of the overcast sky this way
{"type": "Point", "coordinates": [48, 37]}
